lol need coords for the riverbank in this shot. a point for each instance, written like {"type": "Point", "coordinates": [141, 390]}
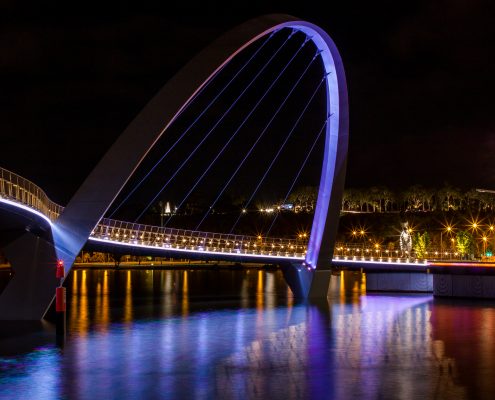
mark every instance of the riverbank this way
{"type": "Point", "coordinates": [164, 265]}
{"type": "Point", "coordinates": [173, 265]}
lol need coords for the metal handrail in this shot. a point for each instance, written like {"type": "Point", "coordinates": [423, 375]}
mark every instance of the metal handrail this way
{"type": "Point", "coordinates": [16, 188]}
{"type": "Point", "coordinates": [367, 250]}
{"type": "Point", "coordinates": [183, 239]}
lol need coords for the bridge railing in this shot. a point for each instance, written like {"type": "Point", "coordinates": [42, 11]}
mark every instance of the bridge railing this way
{"type": "Point", "coordinates": [353, 250]}
{"type": "Point", "coordinates": [16, 188]}
{"type": "Point", "coordinates": [184, 239]}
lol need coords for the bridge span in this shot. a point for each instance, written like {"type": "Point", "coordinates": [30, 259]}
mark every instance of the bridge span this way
{"type": "Point", "coordinates": [24, 206]}
{"type": "Point", "coordinates": [28, 208]}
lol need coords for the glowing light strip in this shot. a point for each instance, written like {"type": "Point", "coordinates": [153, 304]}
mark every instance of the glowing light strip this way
{"type": "Point", "coordinates": [26, 208]}
{"type": "Point", "coordinates": [245, 255]}
{"type": "Point", "coordinates": [464, 264]}
{"type": "Point", "coordinates": [145, 246]}
{"type": "Point", "coordinates": [416, 264]}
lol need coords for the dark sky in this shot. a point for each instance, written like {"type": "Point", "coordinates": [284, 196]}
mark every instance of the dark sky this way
{"type": "Point", "coordinates": [420, 78]}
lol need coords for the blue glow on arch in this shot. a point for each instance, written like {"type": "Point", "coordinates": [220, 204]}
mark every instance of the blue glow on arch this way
{"type": "Point", "coordinates": [332, 162]}
{"type": "Point", "coordinates": [335, 154]}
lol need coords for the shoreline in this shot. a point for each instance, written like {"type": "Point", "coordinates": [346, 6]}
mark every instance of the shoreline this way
{"type": "Point", "coordinates": [165, 266]}
{"type": "Point", "coordinates": [173, 265]}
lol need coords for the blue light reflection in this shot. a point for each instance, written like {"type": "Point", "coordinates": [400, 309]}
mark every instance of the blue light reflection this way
{"type": "Point", "coordinates": [275, 352]}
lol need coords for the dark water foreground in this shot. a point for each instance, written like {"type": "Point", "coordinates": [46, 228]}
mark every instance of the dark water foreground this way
{"type": "Point", "coordinates": [239, 334]}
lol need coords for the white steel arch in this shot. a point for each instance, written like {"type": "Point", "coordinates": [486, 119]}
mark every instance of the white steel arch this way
{"type": "Point", "coordinates": [104, 183]}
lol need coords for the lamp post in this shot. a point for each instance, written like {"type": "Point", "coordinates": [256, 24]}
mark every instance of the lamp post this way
{"type": "Point", "coordinates": [362, 234]}
{"type": "Point", "coordinates": [441, 243]}
{"type": "Point", "coordinates": [475, 226]}
{"type": "Point", "coordinates": [447, 229]}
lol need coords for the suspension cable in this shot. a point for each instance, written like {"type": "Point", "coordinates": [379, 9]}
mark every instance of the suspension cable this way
{"type": "Point", "coordinates": [260, 136]}
{"type": "Point", "coordinates": [238, 129]}
{"type": "Point", "coordinates": [194, 121]}
{"type": "Point", "coordinates": [298, 173]}
{"type": "Point", "coordinates": [279, 151]}
{"type": "Point", "coordinates": [215, 125]}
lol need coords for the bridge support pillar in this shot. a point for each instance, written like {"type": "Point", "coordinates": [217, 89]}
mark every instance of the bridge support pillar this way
{"type": "Point", "coordinates": [31, 289]}
{"type": "Point", "coordinates": [307, 283]}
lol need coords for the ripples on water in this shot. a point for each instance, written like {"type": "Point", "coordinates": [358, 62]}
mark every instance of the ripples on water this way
{"type": "Point", "coordinates": [199, 334]}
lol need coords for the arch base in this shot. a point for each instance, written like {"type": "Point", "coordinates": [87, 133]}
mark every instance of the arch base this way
{"type": "Point", "coordinates": [307, 284]}
{"type": "Point", "coordinates": [32, 287]}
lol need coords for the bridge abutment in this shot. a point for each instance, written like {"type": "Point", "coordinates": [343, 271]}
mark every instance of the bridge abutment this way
{"type": "Point", "coordinates": [32, 286]}
{"type": "Point", "coordinates": [467, 286]}
{"type": "Point", "coordinates": [399, 282]}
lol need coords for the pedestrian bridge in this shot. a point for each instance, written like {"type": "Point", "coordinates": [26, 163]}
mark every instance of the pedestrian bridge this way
{"type": "Point", "coordinates": [19, 195]}
{"type": "Point", "coordinates": [283, 64]}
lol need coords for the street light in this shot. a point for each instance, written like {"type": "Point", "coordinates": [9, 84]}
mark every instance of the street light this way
{"type": "Point", "coordinates": [474, 225]}
{"type": "Point", "coordinates": [447, 229]}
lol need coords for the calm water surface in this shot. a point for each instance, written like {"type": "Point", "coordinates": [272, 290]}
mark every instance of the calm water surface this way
{"type": "Point", "coordinates": [197, 334]}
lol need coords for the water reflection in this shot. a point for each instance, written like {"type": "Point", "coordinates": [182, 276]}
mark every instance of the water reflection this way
{"type": "Point", "coordinates": [239, 334]}
{"type": "Point", "coordinates": [463, 339]}
{"type": "Point", "coordinates": [98, 297]}
{"type": "Point", "coordinates": [128, 298]}
{"type": "Point", "coordinates": [185, 294]}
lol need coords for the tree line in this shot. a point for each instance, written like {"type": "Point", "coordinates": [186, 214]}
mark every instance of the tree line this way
{"type": "Point", "coordinates": [380, 199]}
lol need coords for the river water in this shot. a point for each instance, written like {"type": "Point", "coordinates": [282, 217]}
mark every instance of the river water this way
{"type": "Point", "coordinates": [239, 334]}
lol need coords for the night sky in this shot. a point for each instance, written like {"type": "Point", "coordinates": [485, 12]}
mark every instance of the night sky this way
{"type": "Point", "coordinates": [420, 79]}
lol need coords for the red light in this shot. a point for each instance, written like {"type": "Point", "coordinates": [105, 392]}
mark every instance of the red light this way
{"type": "Point", "coordinates": [60, 270]}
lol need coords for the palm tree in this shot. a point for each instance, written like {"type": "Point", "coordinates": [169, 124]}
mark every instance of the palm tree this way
{"type": "Point", "coordinates": [375, 197]}
{"type": "Point", "coordinates": [450, 198]}
{"type": "Point", "coordinates": [388, 198]}
{"type": "Point", "coordinates": [349, 200]}
{"type": "Point", "coordinates": [415, 197]}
